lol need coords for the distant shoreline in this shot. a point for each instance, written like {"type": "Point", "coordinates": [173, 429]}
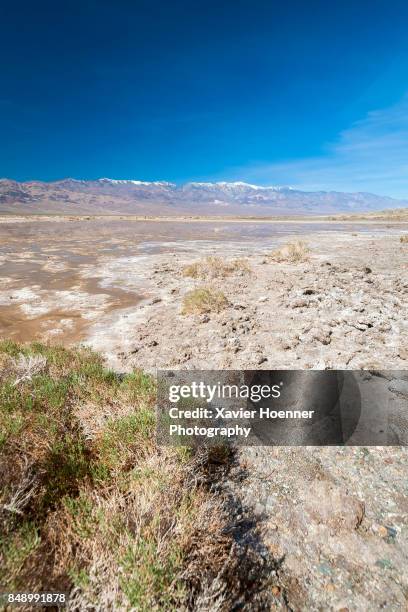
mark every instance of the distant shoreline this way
{"type": "Point", "coordinates": [368, 218]}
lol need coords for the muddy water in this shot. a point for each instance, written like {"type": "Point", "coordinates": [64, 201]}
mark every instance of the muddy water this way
{"type": "Point", "coordinates": [52, 285]}
{"type": "Point", "coordinates": [66, 325]}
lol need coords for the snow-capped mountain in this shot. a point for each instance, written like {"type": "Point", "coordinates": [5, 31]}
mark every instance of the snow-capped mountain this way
{"type": "Point", "coordinates": [129, 196]}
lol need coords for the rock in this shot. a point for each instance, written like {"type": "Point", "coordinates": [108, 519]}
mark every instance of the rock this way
{"type": "Point", "coordinates": [244, 328]}
{"type": "Point", "coordinates": [299, 303]}
{"type": "Point", "coordinates": [324, 568]}
{"type": "Point", "coordinates": [258, 508]}
{"type": "Point", "coordinates": [384, 327]}
{"type": "Point", "coordinates": [403, 353]}
{"type": "Point", "coordinates": [285, 344]}
{"type": "Point", "coordinates": [329, 505]}
{"type": "Point", "coordinates": [384, 564]}
{"type": "Point", "coordinates": [156, 300]}
{"type": "Point", "coordinates": [321, 335]}
{"type": "Point", "coordinates": [263, 298]}
{"type": "Point", "coordinates": [270, 502]}
{"type": "Point", "coordinates": [262, 359]}
{"type": "Point", "coordinates": [360, 326]}
{"type": "Point", "coordinates": [391, 533]}
{"type": "Point", "coordinates": [234, 344]}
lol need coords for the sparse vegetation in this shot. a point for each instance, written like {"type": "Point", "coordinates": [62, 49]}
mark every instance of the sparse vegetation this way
{"type": "Point", "coordinates": [292, 252]}
{"type": "Point", "coordinates": [404, 239]}
{"type": "Point", "coordinates": [204, 300]}
{"type": "Point", "coordinates": [89, 503]}
{"type": "Point", "coordinates": [216, 267]}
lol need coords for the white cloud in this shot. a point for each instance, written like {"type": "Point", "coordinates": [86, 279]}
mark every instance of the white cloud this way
{"type": "Point", "coordinates": [372, 155]}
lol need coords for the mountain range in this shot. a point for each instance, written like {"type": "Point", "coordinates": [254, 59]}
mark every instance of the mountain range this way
{"type": "Point", "coordinates": [119, 197]}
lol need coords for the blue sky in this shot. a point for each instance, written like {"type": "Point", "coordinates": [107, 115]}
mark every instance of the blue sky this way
{"type": "Point", "coordinates": [312, 94]}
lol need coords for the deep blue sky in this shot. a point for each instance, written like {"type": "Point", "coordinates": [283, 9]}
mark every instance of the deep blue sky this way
{"type": "Point", "coordinates": [308, 93]}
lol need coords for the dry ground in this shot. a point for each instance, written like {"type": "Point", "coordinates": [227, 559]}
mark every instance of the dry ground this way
{"type": "Point", "coordinates": [343, 304]}
{"type": "Point", "coordinates": [333, 521]}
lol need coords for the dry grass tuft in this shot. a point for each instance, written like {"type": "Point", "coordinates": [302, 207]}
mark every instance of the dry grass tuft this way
{"type": "Point", "coordinates": [216, 267]}
{"type": "Point", "coordinates": [28, 366]}
{"type": "Point", "coordinates": [292, 252]}
{"type": "Point", "coordinates": [404, 239]}
{"type": "Point", "coordinates": [204, 300]}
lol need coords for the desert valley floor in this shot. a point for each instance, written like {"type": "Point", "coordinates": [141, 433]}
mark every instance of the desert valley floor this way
{"type": "Point", "coordinates": [335, 517]}
{"type": "Point", "coordinates": [119, 286]}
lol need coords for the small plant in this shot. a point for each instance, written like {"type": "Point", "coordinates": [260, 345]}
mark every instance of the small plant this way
{"type": "Point", "coordinates": [122, 439]}
{"type": "Point", "coordinates": [216, 267]}
{"type": "Point", "coordinates": [404, 239]}
{"type": "Point", "coordinates": [204, 300]}
{"type": "Point", "coordinates": [15, 550]}
{"type": "Point", "coordinates": [29, 366]}
{"type": "Point", "coordinates": [292, 252]}
{"type": "Point", "coordinates": [148, 576]}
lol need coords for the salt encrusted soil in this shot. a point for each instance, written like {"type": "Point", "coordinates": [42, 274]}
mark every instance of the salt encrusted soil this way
{"type": "Point", "coordinates": [335, 520]}
{"type": "Point", "coordinates": [346, 307]}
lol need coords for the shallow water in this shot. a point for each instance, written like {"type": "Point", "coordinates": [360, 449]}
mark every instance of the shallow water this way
{"type": "Point", "coordinates": [52, 283]}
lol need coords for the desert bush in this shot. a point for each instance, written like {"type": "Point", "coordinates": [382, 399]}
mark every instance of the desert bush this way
{"type": "Point", "coordinates": [404, 239]}
{"type": "Point", "coordinates": [292, 252]}
{"type": "Point", "coordinates": [216, 267]}
{"type": "Point", "coordinates": [96, 508]}
{"type": "Point", "coordinates": [204, 300]}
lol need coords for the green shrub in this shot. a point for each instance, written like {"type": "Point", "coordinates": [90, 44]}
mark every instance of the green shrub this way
{"type": "Point", "coordinates": [204, 300]}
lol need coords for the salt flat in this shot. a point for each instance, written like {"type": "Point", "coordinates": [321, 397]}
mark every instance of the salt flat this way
{"type": "Point", "coordinates": [94, 281]}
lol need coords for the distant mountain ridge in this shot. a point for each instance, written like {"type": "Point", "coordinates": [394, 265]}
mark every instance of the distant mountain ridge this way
{"type": "Point", "coordinates": [163, 198]}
